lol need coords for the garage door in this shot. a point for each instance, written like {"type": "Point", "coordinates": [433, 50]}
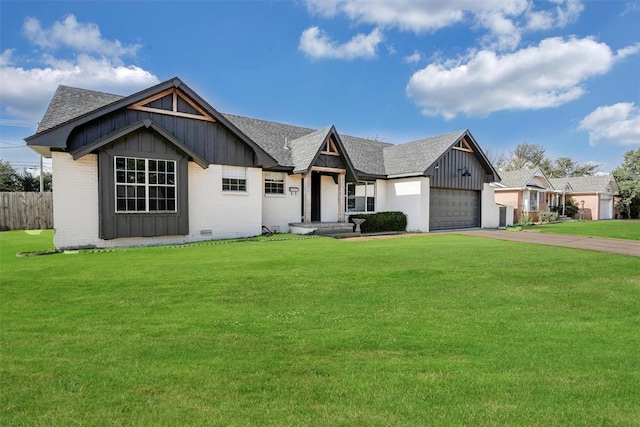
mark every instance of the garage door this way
{"type": "Point", "coordinates": [451, 209]}
{"type": "Point", "coordinates": [606, 208]}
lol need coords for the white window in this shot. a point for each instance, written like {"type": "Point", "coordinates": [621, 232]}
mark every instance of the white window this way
{"type": "Point", "coordinates": [145, 185]}
{"type": "Point", "coordinates": [533, 201]}
{"type": "Point", "coordinates": [273, 182]}
{"type": "Point", "coordinates": [361, 196]}
{"type": "Point", "coordinates": [234, 178]}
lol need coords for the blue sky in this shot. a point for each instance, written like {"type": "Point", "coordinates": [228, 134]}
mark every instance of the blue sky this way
{"type": "Point", "coordinates": [564, 74]}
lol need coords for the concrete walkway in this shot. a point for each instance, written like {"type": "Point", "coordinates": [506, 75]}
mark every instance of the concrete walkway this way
{"type": "Point", "coordinates": [615, 246]}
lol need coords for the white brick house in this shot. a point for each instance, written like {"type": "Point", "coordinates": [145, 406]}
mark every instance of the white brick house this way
{"type": "Point", "coordinates": [163, 166]}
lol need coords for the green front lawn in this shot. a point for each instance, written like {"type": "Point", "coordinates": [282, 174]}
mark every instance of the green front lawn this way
{"type": "Point", "coordinates": [426, 330]}
{"type": "Point", "coordinates": [617, 229]}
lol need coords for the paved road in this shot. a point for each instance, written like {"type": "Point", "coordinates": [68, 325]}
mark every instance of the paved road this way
{"type": "Point", "coordinates": [616, 246]}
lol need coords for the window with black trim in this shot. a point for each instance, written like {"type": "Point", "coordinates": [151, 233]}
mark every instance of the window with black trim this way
{"type": "Point", "coordinates": [234, 178]}
{"type": "Point", "coordinates": [361, 196]}
{"type": "Point", "coordinates": [145, 185]}
{"type": "Point", "coordinates": [274, 182]}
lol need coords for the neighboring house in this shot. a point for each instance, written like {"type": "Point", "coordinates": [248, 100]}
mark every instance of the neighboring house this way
{"type": "Point", "coordinates": [528, 191]}
{"type": "Point", "coordinates": [163, 166]}
{"type": "Point", "coordinates": [598, 193]}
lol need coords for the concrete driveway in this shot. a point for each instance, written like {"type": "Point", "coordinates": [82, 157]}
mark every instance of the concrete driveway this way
{"type": "Point", "coordinates": [615, 246]}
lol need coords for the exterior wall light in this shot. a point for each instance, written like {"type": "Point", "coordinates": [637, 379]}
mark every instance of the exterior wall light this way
{"type": "Point", "coordinates": [465, 172]}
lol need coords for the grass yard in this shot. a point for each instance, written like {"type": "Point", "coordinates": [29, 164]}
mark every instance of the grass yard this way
{"type": "Point", "coordinates": [425, 330]}
{"type": "Point", "coordinates": [617, 229]}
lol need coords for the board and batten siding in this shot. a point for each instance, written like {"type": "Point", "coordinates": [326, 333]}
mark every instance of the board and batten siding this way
{"type": "Point", "coordinates": [450, 168]}
{"type": "Point", "coordinates": [329, 161]}
{"type": "Point", "coordinates": [209, 139]}
{"type": "Point", "coordinates": [146, 144]}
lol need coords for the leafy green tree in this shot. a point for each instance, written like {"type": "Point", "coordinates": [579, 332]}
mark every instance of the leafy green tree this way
{"type": "Point", "coordinates": [628, 177]}
{"type": "Point", "coordinates": [531, 156]}
{"type": "Point", "coordinates": [31, 182]}
{"type": "Point", "coordinates": [9, 178]}
{"type": "Point", "coordinates": [565, 166]}
{"type": "Point", "coordinates": [524, 156]}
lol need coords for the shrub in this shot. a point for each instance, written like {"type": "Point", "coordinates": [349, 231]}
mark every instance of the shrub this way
{"type": "Point", "coordinates": [549, 217]}
{"type": "Point", "coordinates": [382, 222]}
{"type": "Point", "coordinates": [570, 209]}
{"type": "Point", "coordinates": [525, 220]}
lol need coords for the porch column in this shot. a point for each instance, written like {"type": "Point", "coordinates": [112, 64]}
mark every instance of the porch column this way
{"type": "Point", "coordinates": [307, 197]}
{"type": "Point", "coordinates": [341, 195]}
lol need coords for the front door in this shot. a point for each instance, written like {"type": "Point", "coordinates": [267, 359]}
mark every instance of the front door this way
{"type": "Point", "coordinates": [315, 196]}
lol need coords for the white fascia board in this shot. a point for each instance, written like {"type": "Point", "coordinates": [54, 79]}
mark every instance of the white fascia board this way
{"type": "Point", "coordinates": [406, 175]}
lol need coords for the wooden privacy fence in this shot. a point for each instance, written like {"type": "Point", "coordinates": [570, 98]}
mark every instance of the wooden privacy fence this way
{"type": "Point", "coordinates": [26, 211]}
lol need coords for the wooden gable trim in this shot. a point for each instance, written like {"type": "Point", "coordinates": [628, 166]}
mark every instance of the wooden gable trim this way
{"type": "Point", "coordinates": [330, 148]}
{"type": "Point", "coordinates": [175, 93]}
{"type": "Point", "coordinates": [339, 171]}
{"type": "Point", "coordinates": [463, 145]}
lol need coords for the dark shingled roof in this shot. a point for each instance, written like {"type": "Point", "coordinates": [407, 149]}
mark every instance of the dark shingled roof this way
{"type": "Point", "coordinates": [304, 149]}
{"type": "Point", "coordinates": [291, 146]}
{"type": "Point", "coordinates": [415, 157]}
{"type": "Point", "coordinates": [517, 179]}
{"type": "Point", "coordinates": [271, 136]}
{"type": "Point", "coordinates": [586, 184]}
{"type": "Point", "coordinates": [69, 103]}
{"type": "Point", "coordinates": [366, 155]}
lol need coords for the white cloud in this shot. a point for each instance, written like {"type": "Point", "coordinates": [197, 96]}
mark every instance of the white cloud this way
{"type": "Point", "coordinates": [93, 63]}
{"type": "Point", "coordinates": [547, 75]}
{"type": "Point", "coordinates": [26, 92]}
{"type": "Point", "coordinates": [414, 58]}
{"type": "Point", "coordinates": [564, 13]}
{"type": "Point", "coordinates": [315, 43]}
{"type": "Point", "coordinates": [504, 20]}
{"type": "Point", "coordinates": [615, 124]}
{"type": "Point", "coordinates": [5, 57]}
{"type": "Point", "coordinates": [503, 32]}
{"type": "Point", "coordinates": [69, 33]}
{"type": "Point", "coordinates": [629, 50]}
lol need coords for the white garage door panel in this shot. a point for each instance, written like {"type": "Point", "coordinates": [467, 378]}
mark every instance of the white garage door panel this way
{"type": "Point", "coordinates": [450, 209]}
{"type": "Point", "coordinates": [606, 208]}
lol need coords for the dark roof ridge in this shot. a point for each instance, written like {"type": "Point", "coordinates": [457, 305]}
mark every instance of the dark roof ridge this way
{"type": "Point", "coordinates": [456, 132]}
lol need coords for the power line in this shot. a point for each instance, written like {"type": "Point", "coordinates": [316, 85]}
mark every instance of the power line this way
{"type": "Point", "coordinates": [19, 123]}
{"type": "Point", "coordinates": [12, 143]}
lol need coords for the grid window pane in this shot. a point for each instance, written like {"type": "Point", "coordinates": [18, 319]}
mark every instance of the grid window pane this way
{"type": "Point", "coordinates": [142, 185]}
{"type": "Point", "coordinates": [361, 197]}
{"type": "Point", "coordinates": [274, 182]}
{"type": "Point", "coordinates": [234, 184]}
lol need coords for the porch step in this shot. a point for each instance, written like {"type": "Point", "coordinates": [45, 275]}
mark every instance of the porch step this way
{"type": "Point", "coordinates": [333, 229]}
